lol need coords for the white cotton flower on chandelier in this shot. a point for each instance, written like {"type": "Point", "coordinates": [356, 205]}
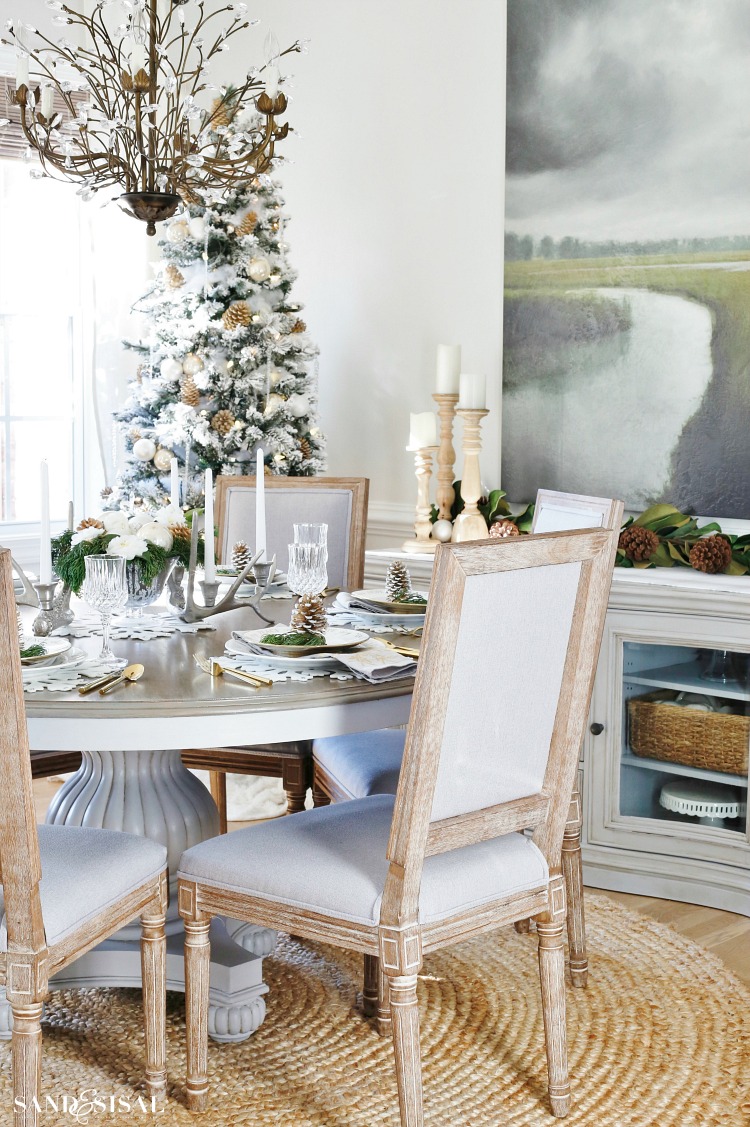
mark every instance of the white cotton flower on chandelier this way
{"type": "Point", "coordinates": [127, 546]}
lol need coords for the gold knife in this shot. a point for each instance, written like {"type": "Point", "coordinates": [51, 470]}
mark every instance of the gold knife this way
{"type": "Point", "coordinates": [98, 684]}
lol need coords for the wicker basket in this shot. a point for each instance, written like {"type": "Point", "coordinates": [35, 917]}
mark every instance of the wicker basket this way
{"type": "Point", "coordinates": [715, 741]}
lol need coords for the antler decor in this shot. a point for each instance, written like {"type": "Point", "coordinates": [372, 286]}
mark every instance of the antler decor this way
{"type": "Point", "coordinates": [195, 613]}
{"type": "Point", "coordinates": [141, 128]}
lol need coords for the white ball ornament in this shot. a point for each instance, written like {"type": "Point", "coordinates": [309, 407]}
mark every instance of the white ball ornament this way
{"type": "Point", "coordinates": [163, 459]}
{"type": "Point", "coordinates": [197, 227]}
{"type": "Point", "coordinates": [273, 403]}
{"type": "Point", "coordinates": [144, 449]}
{"type": "Point", "coordinates": [298, 406]}
{"type": "Point", "coordinates": [192, 364]}
{"type": "Point", "coordinates": [259, 269]}
{"type": "Point", "coordinates": [157, 534]}
{"type": "Point", "coordinates": [442, 530]}
{"type": "Point", "coordinates": [178, 231]}
{"type": "Point", "coordinates": [170, 368]}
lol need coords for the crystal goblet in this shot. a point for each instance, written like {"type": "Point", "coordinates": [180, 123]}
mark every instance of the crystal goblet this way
{"type": "Point", "coordinates": [105, 589]}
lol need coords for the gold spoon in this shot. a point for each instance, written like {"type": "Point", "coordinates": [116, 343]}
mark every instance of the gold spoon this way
{"type": "Point", "coordinates": [129, 673]}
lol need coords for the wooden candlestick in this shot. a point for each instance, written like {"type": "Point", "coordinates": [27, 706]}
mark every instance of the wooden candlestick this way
{"type": "Point", "coordinates": [446, 454]}
{"type": "Point", "coordinates": [422, 524]}
{"type": "Point", "coordinates": [470, 524]}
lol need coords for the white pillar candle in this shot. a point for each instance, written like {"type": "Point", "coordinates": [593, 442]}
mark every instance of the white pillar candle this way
{"type": "Point", "coordinates": [260, 507]}
{"type": "Point", "coordinates": [22, 71]}
{"type": "Point", "coordinates": [45, 546]}
{"type": "Point", "coordinates": [472, 392]}
{"type": "Point", "coordinates": [448, 368]}
{"type": "Point", "coordinates": [174, 484]}
{"type": "Point", "coordinates": [210, 562]}
{"type": "Point", "coordinates": [48, 102]}
{"type": "Point", "coordinates": [422, 430]}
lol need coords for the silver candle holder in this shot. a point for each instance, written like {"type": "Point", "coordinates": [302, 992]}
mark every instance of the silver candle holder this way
{"type": "Point", "coordinates": [53, 600]}
{"type": "Point", "coordinates": [194, 612]}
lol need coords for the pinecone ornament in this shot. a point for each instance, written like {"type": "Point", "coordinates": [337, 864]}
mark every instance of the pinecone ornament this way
{"type": "Point", "coordinates": [90, 522]}
{"type": "Point", "coordinates": [106, 492]}
{"type": "Point", "coordinates": [173, 278]}
{"type": "Point", "coordinates": [180, 532]}
{"type": "Point", "coordinates": [397, 581]}
{"type": "Point", "coordinates": [299, 326]}
{"type": "Point", "coordinates": [220, 112]}
{"type": "Point", "coordinates": [305, 449]}
{"type": "Point", "coordinates": [638, 543]}
{"type": "Point", "coordinates": [237, 316]}
{"type": "Point", "coordinates": [248, 224]}
{"type": "Point", "coordinates": [502, 529]}
{"type": "Point", "coordinates": [189, 392]}
{"type": "Point", "coordinates": [222, 422]}
{"type": "Point", "coordinates": [241, 555]}
{"type": "Point", "coordinates": [309, 616]}
{"type": "Point", "coordinates": [712, 554]}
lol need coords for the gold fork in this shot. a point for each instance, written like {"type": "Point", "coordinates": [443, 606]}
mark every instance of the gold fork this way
{"type": "Point", "coordinates": [405, 651]}
{"type": "Point", "coordinates": [215, 669]}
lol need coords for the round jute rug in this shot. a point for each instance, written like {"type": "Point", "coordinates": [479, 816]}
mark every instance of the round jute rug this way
{"type": "Point", "coordinates": [660, 1036]}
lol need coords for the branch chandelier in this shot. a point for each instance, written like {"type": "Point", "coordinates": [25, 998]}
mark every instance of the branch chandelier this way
{"type": "Point", "coordinates": [131, 92]}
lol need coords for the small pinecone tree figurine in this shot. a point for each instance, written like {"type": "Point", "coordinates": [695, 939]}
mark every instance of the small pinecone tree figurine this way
{"type": "Point", "coordinates": [309, 616]}
{"type": "Point", "coordinates": [397, 581]}
{"type": "Point", "coordinates": [241, 556]}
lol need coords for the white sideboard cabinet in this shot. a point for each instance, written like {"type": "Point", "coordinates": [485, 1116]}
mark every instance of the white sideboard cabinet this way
{"type": "Point", "coordinates": [668, 631]}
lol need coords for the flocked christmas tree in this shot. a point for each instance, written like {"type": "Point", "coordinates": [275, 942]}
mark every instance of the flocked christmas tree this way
{"type": "Point", "coordinates": [227, 366]}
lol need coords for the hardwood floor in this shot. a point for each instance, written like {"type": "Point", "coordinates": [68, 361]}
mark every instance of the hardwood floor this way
{"type": "Point", "coordinates": [723, 933]}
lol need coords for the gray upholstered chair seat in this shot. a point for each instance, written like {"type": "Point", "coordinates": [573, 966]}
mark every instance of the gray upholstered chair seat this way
{"type": "Point", "coordinates": [84, 871]}
{"type": "Point", "coordinates": [332, 860]}
{"type": "Point", "coordinates": [365, 763]}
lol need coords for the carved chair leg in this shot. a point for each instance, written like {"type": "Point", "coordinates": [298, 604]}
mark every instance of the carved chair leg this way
{"type": "Point", "coordinates": [552, 975]}
{"type": "Point", "coordinates": [523, 927]}
{"type": "Point", "coordinates": [573, 873]}
{"type": "Point", "coordinates": [154, 977]}
{"type": "Point", "coordinates": [218, 784]}
{"type": "Point", "coordinates": [26, 1052]}
{"type": "Point", "coordinates": [320, 798]}
{"type": "Point", "coordinates": [296, 780]}
{"type": "Point", "coordinates": [375, 999]}
{"type": "Point", "coordinates": [403, 996]}
{"type": "Point", "coordinates": [197, 961]}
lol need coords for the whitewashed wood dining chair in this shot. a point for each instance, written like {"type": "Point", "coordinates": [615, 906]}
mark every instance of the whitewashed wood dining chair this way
{"type": "Point", "coordinates": [354, 766]}
{"type": "Point", "coordinates": [339, 502]}
{"type": "Point", "coordinates": [64, 890]}
{"type": "Point", "coordinates": [397, 878]}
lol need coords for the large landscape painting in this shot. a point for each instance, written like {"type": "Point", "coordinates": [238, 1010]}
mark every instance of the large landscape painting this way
{"type": "Point", "coordinates": [627, 276]}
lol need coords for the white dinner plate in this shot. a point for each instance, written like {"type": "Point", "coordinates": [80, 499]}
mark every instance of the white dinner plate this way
{"type": "Point", "coordinates": [308, 661]}
{"type": "Point", "coordinates": [63, 660]}
{"type": "Point", "coordinates": [373, 618]}
{"type": "Point", "coordinates": [378, 599]}
{"type": "Point", "coordinates": [53, 647]}
{"type": "Point", "coordinates": [337, 638]}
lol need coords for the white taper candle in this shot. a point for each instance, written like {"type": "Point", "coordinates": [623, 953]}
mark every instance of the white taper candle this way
{"type": "Point", "coordinates": [45, 545]}
{"type": "Point", "coordinates": [260, 506]}
{"type": "Point", "coordinates": [210, 563]}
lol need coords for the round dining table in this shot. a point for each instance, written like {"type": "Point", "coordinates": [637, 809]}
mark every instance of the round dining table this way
{"type": "Point", "coordinates": [132, 778]}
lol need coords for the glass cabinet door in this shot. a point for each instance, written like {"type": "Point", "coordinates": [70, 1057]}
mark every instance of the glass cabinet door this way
{"type": "Point", "coordinates": [685, 716]}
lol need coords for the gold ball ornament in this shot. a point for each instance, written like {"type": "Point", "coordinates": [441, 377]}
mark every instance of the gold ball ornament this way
{"type": "Point", "coordinates": [222, 422]}
{"type": "Point", "coordinates": [189, 393]}
{"type": "Point", "coordinates": [178, 231]}
{"type": "Point", "coordinates": [247, 224]}
{"type": "Point", "coordinates": [192, 364]}
{"type": "Point", "coordinates": [259, 269]}
{"type": "Point", "coordinates": [163, 459]}
{"type": "Point", "coordinates": [237, 316]}
{"type": "Point", "coordinates": [173, 278]}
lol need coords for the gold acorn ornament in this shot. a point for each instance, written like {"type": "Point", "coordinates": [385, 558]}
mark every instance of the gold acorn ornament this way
{"type": "Point", "coordinates": [189, 392]}
{"type": "Point", "coordinates": [237, 316]}
{"type": "Point", "coordinates": [222, 422]}
{"type": "Point", "coordinates": [309, 615]}
{"type": "Point", "coordinates": [241, 555]}
{"type": "Point", "coordinates": [173, 278]}
{"type": "Point", "coordinates": [192, 364]}
{"type": "Point", "coordinates": [247, 225]}
{"type": "Point", "coordinates": [502, 529]}
{"type": "Point", "coordinates": [397, 581]}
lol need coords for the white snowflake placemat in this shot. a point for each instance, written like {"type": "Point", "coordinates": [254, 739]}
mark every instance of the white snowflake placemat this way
{"type": "Point", "coordinates": [74, 674]}
{"type": "Point", "coordinates": [140, 629]}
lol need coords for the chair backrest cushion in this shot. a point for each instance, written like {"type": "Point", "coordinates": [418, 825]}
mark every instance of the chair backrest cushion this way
{"type": "Point", "coordinates": [503, 694]}
{"type": "Point", "coordinates": [305, 500]}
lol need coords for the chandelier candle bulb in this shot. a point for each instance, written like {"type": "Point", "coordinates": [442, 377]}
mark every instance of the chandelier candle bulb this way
{"type": "Point", "coordinates": [260, 507]}
{"type": "Point", "coordinates": [210, 557]}
{"type": "Point", "coordinates": [448, 369]}
{"type": "Point", "coordinates": [45, 538]}
{"type": "Point", "coordinates": [22, 71]}
{"type": "Point", "coordinates": [472, 392]}
{"type": "Point", "coordinates": [48, 101]}
{"type": "Point", "coordinates": [422, 430]}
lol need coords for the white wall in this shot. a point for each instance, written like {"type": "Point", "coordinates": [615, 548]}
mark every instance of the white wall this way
{"type": "Point", "coordinates": [396, 196]}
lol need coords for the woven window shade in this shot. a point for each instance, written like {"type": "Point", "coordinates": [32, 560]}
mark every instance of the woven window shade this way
{"type": "Point", "coordinates": [13, 144]}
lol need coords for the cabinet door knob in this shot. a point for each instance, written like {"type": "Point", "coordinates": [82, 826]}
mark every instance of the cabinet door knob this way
{"type": "Point", "coordinates": [596, 729]}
